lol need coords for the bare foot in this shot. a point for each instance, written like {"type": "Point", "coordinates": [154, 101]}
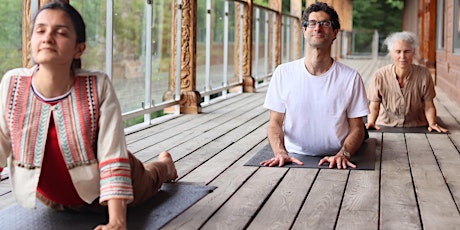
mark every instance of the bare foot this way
{"type": "Point", "coordinates": [165, 157]}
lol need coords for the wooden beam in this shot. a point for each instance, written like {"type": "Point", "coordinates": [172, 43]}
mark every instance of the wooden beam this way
{"type": "Point", "coordinates": [26, 21]}
{"type": "Point", "coordinates": [296, 30]}
{"type": "Point", "coordinates": [190, 98]}
{"type": "Point", "coordinates": [277, 6]}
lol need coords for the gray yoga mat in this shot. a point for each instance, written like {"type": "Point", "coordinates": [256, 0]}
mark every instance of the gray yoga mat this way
{"type": "Point", "coordinates": [386, 129]}
{"type": "Point", "coordinates": [364, 158]}
{"type": "Point", "coordinates": [420, 129]}
{"type": "Point", "coordinates": [173, 199]}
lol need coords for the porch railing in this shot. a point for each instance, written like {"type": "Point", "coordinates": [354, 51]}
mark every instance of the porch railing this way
{"type": "Point", "coordinates": [132, 43]}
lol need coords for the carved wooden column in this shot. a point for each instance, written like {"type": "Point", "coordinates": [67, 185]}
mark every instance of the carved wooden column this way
{"type": "Point", "coordinates": [27, 15]}
{"type": "Point", "coordinates": [190, 98]}
{"type": "Point", "coordinates": [276, 36]}
{"type": "Point", "coordinates": [248, 80]}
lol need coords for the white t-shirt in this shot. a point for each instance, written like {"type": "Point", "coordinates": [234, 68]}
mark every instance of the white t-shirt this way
{"type": "Point", "coordinates": [316, 107]}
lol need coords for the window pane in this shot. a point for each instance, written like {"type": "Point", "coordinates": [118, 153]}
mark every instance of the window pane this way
{"type": "Point", "coordinates": [11, 36]}
{"type": "Point", "coordinates": [93, 12]}
{"type": "Point", "coordinates": [129, 53]}
{"type": "Point", "coordinates": [161, 48]}
{"type": "Point", "coordinates": [129, 47]}
{"type": "Point", "coordinates": [260, 47]}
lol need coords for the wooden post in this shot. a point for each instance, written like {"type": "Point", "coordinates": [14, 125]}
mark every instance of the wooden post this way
{"type": "Point", "coordinates": [246, 58]}
{"type": "Point", "coordinates": [190, 98]}
{"type": "Point", "coordinates": [345, 11]}
{"type": "Point", "coordinates": [276, 37]}
{"type": "Point", "coordinates": [26, 24]}
{"type": "Point", "coordinates": [296, 30]}
{"type": "Point", "coordinates": [428, 37]}
{"type": "Point", "coordinates": [248, 80]}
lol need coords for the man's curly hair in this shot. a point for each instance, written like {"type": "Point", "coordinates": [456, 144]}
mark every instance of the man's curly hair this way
{"type": "Point", "coordinates": [321, 6]}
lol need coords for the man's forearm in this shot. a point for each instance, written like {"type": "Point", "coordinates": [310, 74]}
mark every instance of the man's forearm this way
{"type": "Point", "coordinates": [276, 139]}
{"type": "Point", "coordinates": [355, 137]}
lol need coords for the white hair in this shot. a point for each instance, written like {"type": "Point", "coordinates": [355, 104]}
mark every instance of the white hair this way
{"type": "Point", "coordinates": [407, 36]}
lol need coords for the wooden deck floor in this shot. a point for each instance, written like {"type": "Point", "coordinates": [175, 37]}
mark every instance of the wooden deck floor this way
{"type": "Point", "coordinates": [414, 185]}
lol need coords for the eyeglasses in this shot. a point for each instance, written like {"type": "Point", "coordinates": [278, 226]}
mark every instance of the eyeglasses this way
{"type": "Point", "coordinates": [313, 23]}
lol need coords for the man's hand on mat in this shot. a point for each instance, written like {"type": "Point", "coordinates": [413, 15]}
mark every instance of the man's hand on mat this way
{"type": "Point", "coordinates": [372, 126]}
{"type": "Point", "coordinates": [340, 160]}
{"type": "Point", "coordinates": [437, 128]}
{"type": "Point", "coordinates": [280, 160]}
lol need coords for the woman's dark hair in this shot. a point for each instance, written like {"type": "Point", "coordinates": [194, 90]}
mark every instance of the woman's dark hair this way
{"type": "Point", "coordinates": [75, 17]}
{"type": "Point", "coordinates": [321, 6]}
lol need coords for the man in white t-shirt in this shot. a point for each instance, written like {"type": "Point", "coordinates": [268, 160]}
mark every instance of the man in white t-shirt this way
{"type": "Point", "coordinates": [316, 103]}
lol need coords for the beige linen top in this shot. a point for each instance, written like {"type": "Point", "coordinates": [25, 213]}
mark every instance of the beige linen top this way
{"type": "Point", "coordinates": [401, 107]}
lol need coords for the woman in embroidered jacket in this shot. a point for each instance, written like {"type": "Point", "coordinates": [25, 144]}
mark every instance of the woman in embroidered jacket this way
{"type": "Point", "coordinates": [401, 94]}
{"type": "Point", "coordinates": [61, 125]}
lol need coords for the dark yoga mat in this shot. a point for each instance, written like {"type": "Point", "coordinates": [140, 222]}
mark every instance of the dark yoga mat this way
{"type": "Point", "coordinates": [420, 129]}
{"type": "Point", "coordinates": [173, 199]}
{"type": "Point", "coordinates": [386, 129]}
{"type": "Point", "coordinates": [364, 158]}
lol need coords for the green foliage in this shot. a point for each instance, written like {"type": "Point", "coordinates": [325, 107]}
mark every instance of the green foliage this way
{"type": "Point", "coordinates": [286, 5]}
{"type": "Point", "coordinates": [398, 4]}
{"type": "Point", "coordinates": [377, 15]}
{"type": "Point", "coordinates": [261, 2]}
{"type": "Point", "coordinates": [11, 36]}
{"type": "Point", "coordinates": [385, 16]}
{"type": "Point", "coordinates": [138, 120]}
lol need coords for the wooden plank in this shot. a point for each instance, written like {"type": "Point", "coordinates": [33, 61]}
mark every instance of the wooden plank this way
{"type": "Point", "coordinates": [5, 187]}
{"type": "Point", "coordinates": [181, 119]}
{"type": "Point", "coordinates": [322, 204]}
{"type": "Point", "coordinates": [228, 181]}
{"type": "Point", "coordinates": [449, 112]}
{"type": "Point", "coordinates": [182, 133]}
{"type": "Point", "coordinates": [7, 200]}
{"type": "Point", "coordinates": [189, 141]}
{"type": "Point", "coordinates": [398, 205]}
{"type": "Point", "coordinates": [237, 212]}
{"type": "Point", "coordinates": [184, 119]}
{"type": "Point", "coordinates": [455, 138]}
{"type": "Point", "coordinates": [452, 106]}
{"type": "Point", "coordinates": [213, 167]}
{"type": "Point", "coordinates": [366, 68]}
{"type": "Point", "coordinates": [204, 152]}
{"type": "Point", "coordinates": [448, 159]}
{"type": "Point", "coordinates": [177, 137]}
{"type": "Point", "coordinates": [280, 211]}
{"type": "Point", "coordinates": [437, 208]}
{"type": "Point", "coordinates": [449, 120]}
{"type": "Point", "coordinates": [360, 207]}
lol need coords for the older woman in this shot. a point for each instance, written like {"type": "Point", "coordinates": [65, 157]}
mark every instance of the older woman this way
{"type": "Point", "coordinates": [401, 94]}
